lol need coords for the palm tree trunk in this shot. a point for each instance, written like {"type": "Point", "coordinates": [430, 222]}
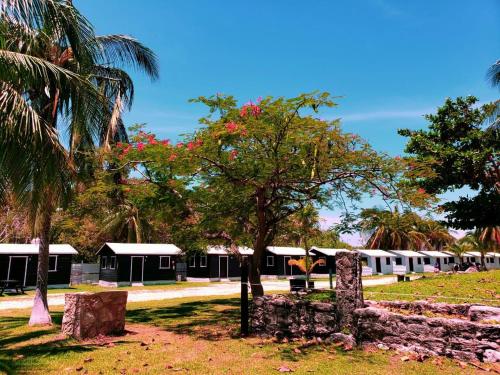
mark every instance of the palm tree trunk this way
{"type": "Point", "coordinates": [40, 313]}
{"type": "Point", "coordinates": [483, 263]}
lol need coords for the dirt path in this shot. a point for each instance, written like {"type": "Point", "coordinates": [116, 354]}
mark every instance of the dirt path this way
{"type": "Point", "coordinates": [215, 289]}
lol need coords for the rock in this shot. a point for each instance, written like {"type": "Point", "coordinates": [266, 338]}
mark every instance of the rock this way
{"type": "Point", "coordinates": [479, 313]}
{"type": "Point", "coordinates": [346, 340]}
{"type": "Point", "coordinates": [348, 289]}
{"type": "Point", "coordinates": [88, 315]}
{"type": "Point", "coordinates": [382, 347]}
{"type": "Point", "coordinates": [491, 356]}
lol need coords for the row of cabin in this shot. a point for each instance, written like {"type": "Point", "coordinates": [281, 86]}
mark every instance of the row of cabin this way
{"type": "Point", "coordinates": [138, 264]}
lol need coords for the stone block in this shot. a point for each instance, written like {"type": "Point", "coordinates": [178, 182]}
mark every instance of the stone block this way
{"type": "Point", "coordinates": [87, 315]}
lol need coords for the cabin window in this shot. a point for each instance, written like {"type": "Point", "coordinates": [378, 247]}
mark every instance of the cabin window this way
{"type": "Point", "coordinates": [473, 259]}
{"type": "Point", "coordinates": [192, 261]}
{"type": "Point", "coordinates": [388, 261]}
{"type": "Point", "coordinates": [364, 262]}
{"type": "Point", "coordinates": [52, 263]}
{"type": "Point", "coordinates": [164, 263]}
{"type": "Point", "coordinates": [112, 262]}
{"type": "Point", "coordinates": [445, 260]}
{"type": "Point", "coordinates": [104, 262]}
{"type": "Point", "coordinates": [419, 260]}
{"type": "Point", "coordinates": [427, 260]}
{"type": "Point", "coordinates": [451, 260]}
{"type": "Point", "coordinates": [399, 261]}
{"type": "Point", "coordinates": [270, 261]}
{"type": "Point", "coordinates": [203, 260]}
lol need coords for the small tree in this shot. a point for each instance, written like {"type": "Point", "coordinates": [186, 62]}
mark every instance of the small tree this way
{"type": "Point", "coordinates": [250, 168]}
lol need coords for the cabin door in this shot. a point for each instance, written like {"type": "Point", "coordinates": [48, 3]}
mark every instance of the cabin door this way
{"type": "Point", "coordinates": [378, 265]}
{"type": "Point", "coordinates": [18, 267]}
{"type": "Point", "coordinates": [411, 264]}
{"type": "Point", "coordinates": [288, 268]}
{"type": "Point", "coordinates": [223, 267]}
{"type": "Point", "coordinates": [136, 269]}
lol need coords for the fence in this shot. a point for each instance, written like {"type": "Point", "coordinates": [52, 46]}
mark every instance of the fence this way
{"type": "Point", "coordinates": [84, 273]}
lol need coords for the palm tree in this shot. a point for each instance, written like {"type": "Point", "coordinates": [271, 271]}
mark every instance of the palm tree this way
{"type": "Point", "coordinates": [57, 77]}
{"type": "Point", "coordinates": [392, 230]}
{"type": "Point", "coordinates": [494, 74]}
{"type": "Point", "coordinates": [484, 240]}
{"type": "Point", "coordinates": [437, 235]}
{"type": "Point", "coordinates": [459, 248]}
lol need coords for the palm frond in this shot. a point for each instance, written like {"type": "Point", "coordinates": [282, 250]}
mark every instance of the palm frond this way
{"type": "Point", "coordinates": [127, 51]}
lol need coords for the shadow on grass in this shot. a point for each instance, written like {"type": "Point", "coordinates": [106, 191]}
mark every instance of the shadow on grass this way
{"type": "Point", "coordinates": [205, 320]}
{"type": "Point", "coordinates": [14, 333]}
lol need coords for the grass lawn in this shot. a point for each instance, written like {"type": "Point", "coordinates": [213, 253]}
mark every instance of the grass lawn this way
{"type": "Point", "coordinates": [200, 336]}
{"type": "Point", "coordinates": [478, 287]}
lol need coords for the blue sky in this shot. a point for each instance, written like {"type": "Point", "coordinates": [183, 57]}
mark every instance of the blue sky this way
{"type": "Point", "coordinates": [391, 61]}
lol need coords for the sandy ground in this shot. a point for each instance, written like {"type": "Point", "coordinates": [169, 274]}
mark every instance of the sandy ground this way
{"type": "Point", "coordinates": [215, 289]}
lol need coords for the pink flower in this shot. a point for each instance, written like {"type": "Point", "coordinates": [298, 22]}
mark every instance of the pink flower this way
{"type": "Point", "coordinates": [191, 146]}
{"type": "Point", "coordinates": [199, 143]}
{"type": "Point", "coordinates": [259, 99]}
{"type": "Point", "coordinates": [231, 127]}
{"type": "Point", "coordinates": [421, 191]}
{"type": "Point", "coordinates": [172, 157]}
{"type": "Point", "coordinates": [254, 109]}
{"type": "Point", "coordinates": [119, 145]}
{"type": "Point", "coordinates": [152, 140]}
{"type": "Point", "coordinates": [244, 132]}
{"type": "Point", "coordinates": [165, 142]}
{"type": "Point", "coordinates": [140, 146]}
{"type": "Point", "coordinates": [233, 154]}
{"type": "Point", "coordinates": [180, 145]}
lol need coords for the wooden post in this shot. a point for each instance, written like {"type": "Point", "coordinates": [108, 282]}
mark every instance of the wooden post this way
{"type": "Point", "coordinates": [244, 298]}
{"type": "Point", "coordinates": [330, 276]}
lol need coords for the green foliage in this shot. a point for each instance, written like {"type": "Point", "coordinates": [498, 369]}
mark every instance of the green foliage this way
{"type": "Point", "coordinates": [461, 152]}
{"type": "Point", "coordinates": [246, 176]}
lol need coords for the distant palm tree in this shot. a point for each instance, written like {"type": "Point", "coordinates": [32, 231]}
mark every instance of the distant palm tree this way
{"type": "Point", "coordinates": [437, 235]}
{"type": "Point", "coordinates": [459, 248]}
{"type": "Point", "coordinates": [392, 230]}
{"type": "Point", "coordinates": [484, 240]}
{"type": "Point", "coordinates": [57, 78]}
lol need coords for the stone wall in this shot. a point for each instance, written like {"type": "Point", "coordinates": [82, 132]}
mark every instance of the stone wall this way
{"type": "Point", "coordinates": [88, 315]}
{"type": "Point", "coordinates": [458, 338]}
{"type": "Point", "coordinates": [465, 332]}
{"type": "Point", "coordinates": [281, 316]}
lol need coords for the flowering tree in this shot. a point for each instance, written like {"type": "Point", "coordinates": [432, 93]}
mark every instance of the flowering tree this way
{"type": "Point", "coordinates": [248, 169]}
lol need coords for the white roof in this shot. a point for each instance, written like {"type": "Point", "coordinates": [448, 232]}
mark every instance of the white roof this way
{"type": "Point", "coordinates": [435, 254]}
{"type": "Point", "coordinates": [282, 250]}
{"type": "Point", "coordinates": [472, 254]}
{"type": "Point", "coordinates": [142, 248]}
{"type": "Point", "coordinates": [375, 253]}
{"type": "Point", "coordinates": [493, 255]}
{"type": "Point", "coordinates": [406, 253]}
{"type": "Point", "coordinates": [32, 249]}
{"type": "Point", "coordinates": [328, 252]}
{"type": "Point", "coordinates": [451, 254]}
{"type": "Point", "coordinates": [223, 250]}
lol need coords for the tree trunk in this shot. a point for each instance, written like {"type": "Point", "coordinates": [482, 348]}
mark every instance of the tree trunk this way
{"type": "Point", "coordinates": [259, 246]}
{"type": "Point", "coordinates": [483, 263]}
{"type": "Point", "coordinates": [40, 312]}
{"type": "Point", "coordinates": [254, 277]}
